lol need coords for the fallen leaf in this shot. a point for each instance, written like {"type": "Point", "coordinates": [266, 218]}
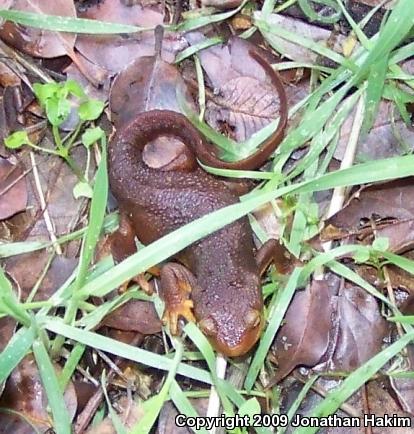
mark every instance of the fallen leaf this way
{"type": "Point", "coordinates": [163, 150]}
{"type": "Point", "coordinates": [268, 217]}
{"type": "Point", "coordinates": [27, 269]}
{"type": "Point", "coordinates": [311, 32]}
{"type": "Point", "coordinates": [387, 137]}
{"type": "Point", "coordinates": [400, 235]}
{"type": "Point", "coordinates": [304, 338]}
{"type": "Point", "coordinates": [146, 84]}
{"type": "Point", "coordinates": [226, 62]}
{"type": "Point", "coordinates": [130, 412]}
{"type": "Point", "coordinates": [243, 99]}
{"type": "Point", "coordinates": [114, 53]}
{"type": "Point", "coordinates": [135, 315]}
{"type": "Point", "coordinates": [24, 394]}
{"type": "Point", "coordinates": [166, 421]}
{"type": "Point", "coordinates": [398, 277]}
{"type": "Point", "coordinates": [245, 105]}
{"type": "Point", "coordinates": [382, 401]}
{"type": "Point", "coordinates": [57, 181]}
{"type": "Point", "coordinates": [39, 42]}
{"type": "Point", "coordinates": [361, 329]}
{"type": "Point", "coordinates": [392, 200]}
{"type": "Point", "coordinates": [8, 77]}
{"type": "Point", "coordinates": [13, 189]}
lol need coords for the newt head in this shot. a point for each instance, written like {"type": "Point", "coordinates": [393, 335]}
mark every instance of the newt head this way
{"type": "Point", "coordinates": [233, 335]}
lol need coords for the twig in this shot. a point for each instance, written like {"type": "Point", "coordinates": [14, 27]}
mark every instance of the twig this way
{"type": "Point", "coordinates": [25, 63]}
{"type": "Point", "coordinates": [339, 193]}
{"type": "Point", "coordinates": [85, 417]}
{"type": "Point", "coordinates": [347, 408]}
{"type": "Point", "coordinates": [338, 197]}
{"type": "Point", "coordinates": [45, 212]}
{"type": "Point", "coordinates": [12, 184]}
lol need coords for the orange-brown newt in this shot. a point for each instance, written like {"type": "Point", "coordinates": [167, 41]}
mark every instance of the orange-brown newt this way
{"type": "Point", "coordinates": [220, 283]}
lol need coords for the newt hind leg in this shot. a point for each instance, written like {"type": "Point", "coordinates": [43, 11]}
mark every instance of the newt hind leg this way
{"type": "Point", "coordinates": [123, 245]}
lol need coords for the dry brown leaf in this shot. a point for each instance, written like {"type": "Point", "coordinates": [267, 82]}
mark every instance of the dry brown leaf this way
{"type": "Point", "coordinates": [361, 329]}
{"type": "Point", "coordinates": [148, 83]}
{"type": "Point", "coordinates": [27, 269]}
{"type": "Point", "coordinates": [244, 104]}
{"type": "Point", "coordinates": [311, 32]}
{"type": "Point", "coordinates": [24, 393]}
{"type": "Point", "coordinates": [39, 42]}
{"type": "Point", "coordinates": [304, 338]}
{"type": "Point", "coordinates": [392, 200]}
{"type": "Point", "coordinates": [130, 413]}
{"type": "Point", "coordinates": [244, 100]}
{"type": "Point", "coordinates": [8, 77]}
{"type": "Point", "coordinates": [381, 401]}
{"type": "Point", "coordinates": [166, 421]}
{"type": "Point", "coordinates": [135, 315]}
{"type": "Point", "coordinates": [114, 53]}
{"type": "Point", "coordinates": [13, 189]}
{"type": "Point", "coordinates": [387, 138]}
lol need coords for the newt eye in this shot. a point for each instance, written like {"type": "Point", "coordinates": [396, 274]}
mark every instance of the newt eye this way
{"type": "Point", "coordinates": [253, 318]}
{"type": "Point", "coordinates": [208, 326]}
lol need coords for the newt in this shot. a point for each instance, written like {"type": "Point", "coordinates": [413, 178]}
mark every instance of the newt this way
{"type": "Point", "coordinates": [217, 279]}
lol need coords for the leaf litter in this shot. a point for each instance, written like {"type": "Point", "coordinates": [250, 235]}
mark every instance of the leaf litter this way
{"type": "Point", "coordinates": [332, 326]}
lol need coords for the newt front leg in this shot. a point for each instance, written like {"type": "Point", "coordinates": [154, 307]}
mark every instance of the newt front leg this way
{"type": "Point", "coordinates": [176, 286]}
{"type": "Point", "coordinates": [272, 251]}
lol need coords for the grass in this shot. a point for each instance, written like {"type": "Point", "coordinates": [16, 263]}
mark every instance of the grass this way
{"type": "Point", "coordinates": [371, 71]}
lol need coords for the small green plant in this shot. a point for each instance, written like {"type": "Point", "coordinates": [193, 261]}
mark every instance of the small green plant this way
{"type": "Point", "coordinates": [372, 254]}
{"type": "Point", "coordinates": [54, 98]}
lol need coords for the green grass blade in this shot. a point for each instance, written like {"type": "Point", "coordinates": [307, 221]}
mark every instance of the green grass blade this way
{"type": "Point", "coordinates": [61, 420]}
{"type": "Point", "coordinates": [196, 23]}
{"type": "Point", "coordinates": [90, 320]}
{"type": "Point", "coordinates": [96, 218]}
{"type": "Point", "coordinates": [206, 350]}
{"type": "Point", "coordinates": [67, 24]}
{"type": "Point", "coordinates": [403, 319]}
{"type": "Point", "coordinates": [16, 349]}
{"type": "Point", "coordinates": [20, 247]}
{"type": "Point", "coordinates": [298, 401]}
{"type": "Point", "coordinates": [375, 88]}
{"type": "Point", "coordinates": [70, 365]}
{"type": "Point", "coordinates": [270, 31]}
{"type": "Point", "coordinates": [276, 316]}
{"type": "Point", "coordinates": [9, 303]}
{"type": "Point", "coordinates": [268, 6]}
{"type": "Point", "coordinates": [355, 380]}
{"type": "Point", "coordinates": [193, 49]}
{"type": "Point", "coordinates": [400, 261]}
{"type": "Point", "coordinates": [312, 123]}
{"type": "Point", "coordinates": [120, 349]}
{"type": "Point", "coordinates": [183, 404]}
{"type": "Point", "coordinates": [152, 406]}
{"type": "Point", "coordinates": [314, 16]}
{"type": "Point", "coordinates": [397, 27]}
